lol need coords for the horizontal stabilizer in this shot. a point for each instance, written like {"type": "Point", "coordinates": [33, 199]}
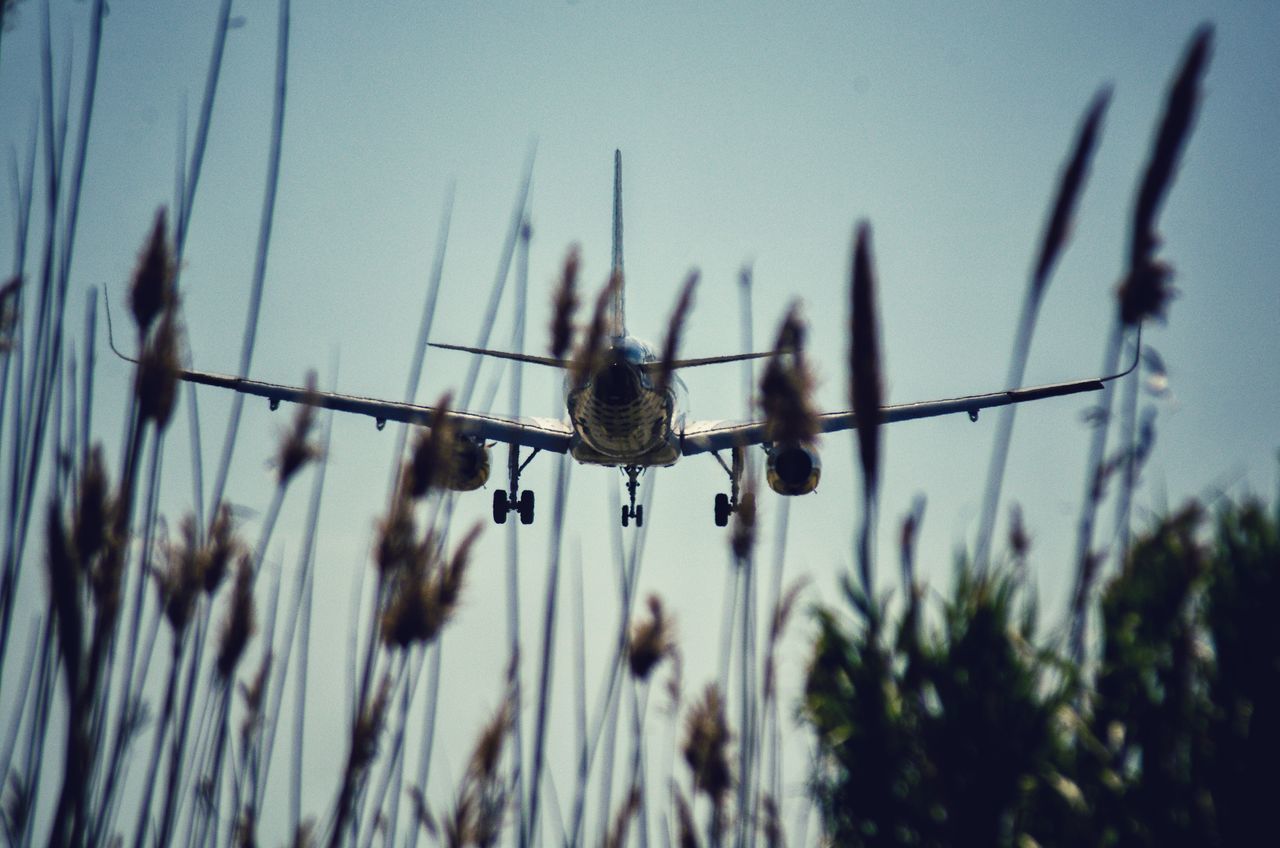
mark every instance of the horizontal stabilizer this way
{"type": "Point", "coordinates": [502, 354]}
{"type": "Point", "coordinates": [709, 360]}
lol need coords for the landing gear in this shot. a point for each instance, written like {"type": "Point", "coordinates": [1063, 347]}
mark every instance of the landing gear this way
{"type": "Point", "coordinates": [632, 510]}
{"type": "Point", "coordinates": [726, 505]}
{"type": "Point", "coordinates": [722, 509]}
{"type": "Point", "coordinates": [514, 500]}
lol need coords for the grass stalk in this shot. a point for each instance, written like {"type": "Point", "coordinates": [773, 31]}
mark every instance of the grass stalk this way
{"type": "Point", "coordinates": [515, 658]}
{"type": "Point", "coordinates": [302, 628]}
{"type": "Point", "coordinates": [264, 244]}
{"type": "Point", "coordinates": [546, 666]}
{"type": "Point", "coordinates": [182, 225]}
{"type": "Point", "coordinates": [518, 216]}
{"type": "Point", "coordinates": [424, 334]}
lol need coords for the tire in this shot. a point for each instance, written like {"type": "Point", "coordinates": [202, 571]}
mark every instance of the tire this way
{"type": "Point", "coordinates": [722, 510]}
{"type": "Point", "coordinates": [640, 515]}
{"type": "Point", "coordinates": [526, 507]}
{"type": "Point", "coordinates": [625, 518]}
{"type": "Point", "coordinates": [499, 507]}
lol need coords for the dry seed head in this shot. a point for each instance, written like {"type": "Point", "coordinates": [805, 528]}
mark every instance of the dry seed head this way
{"type": "Point", "coordinates": [422, 811]}
{"type": "Point", "coordinates": [182, 577]}
{"type": "Point", "coordinates": [564, 304]}
{"type": "Point", "coordinates": [253, 694]}
{"type": "Point", "coordinates": [396, 547]}
{"type": "Point", "coordinates": [425, 595]}
{"type": "Point", "coordinates": [460, 827]}
{"type": "Point", "coordinates": [1058, 229]}
{"type": "Point", "coordinates": [368, 727]}
{"type": "Point", "coordinates": [152, 290]}
{"type": "Point", "coordinates": [239, 624]}
{"type": "Point", "coordinates": [93, 507]}
{"type": "Point", "coordinates": [9, 312]}
{"type": "Point", "coordinates": [296, 449]}
{"type": "Point", "coordinates": [777, 629]}
{"type": "Point", "coordinates": [865, 368]}
{"type": "Point", "coordinates": [674, 680]}
{"type": "Point", "coordinates": [405, 615]}
{"type": "Point", "coordinates": [706, 746]}
{"type": "Point", "coordinates": [482, 798]}
{"type": "Point", "coordinates": [452, 576]}
{"type": "Point", "coordinates": [64, 588]}
{"type": "Point", "coordinates": [787, 385]}
{"type": "Point", "coordinates": [246, 829]}
{"type": "Point", "coordinates": [688, 830]}
{"type": "Point", "coordinates": [588, 358]}
{"type": "Point", "coordinates": [433, 454]}
{"type": "Point", "coordinates": [651, 640]}
{"type": "Point", "coordinates": [743, 536]}
{"type": "Point", "coordinates": [1146, 292]}
{"type": "Point", "coordinates": [1175, 129]}
{"type": "Point", "coordinates": [786, 606]}
{"type": "Point", "coordinates": [1019, 541]}
{"type": "Point", "coordinates": [907, 541]}
{"type": "Point", "coordinates": [305, 835]}
{"type": "Point", "coordinates": [674, 329]}
{"type": "Point", "coordinates": [617, 836]}
{"type": "Point", "coordinates": [223, 547]}
{"type": "Point", "coordinates": [772, 825]}
{"type": "Point", "coordinates": [156, 388]}
{"type": "Point", "coordinates": [488, 751]}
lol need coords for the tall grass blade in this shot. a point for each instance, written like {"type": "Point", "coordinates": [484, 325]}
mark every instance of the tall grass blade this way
{"type": "Point", "coordinates": [546, 665]}
{"type": "Point", "coordinates": [518, 215]}
{"type": "Point", "coordinates": [264, 242]}
{"type": "Point", "coordinates": [1053, 242]}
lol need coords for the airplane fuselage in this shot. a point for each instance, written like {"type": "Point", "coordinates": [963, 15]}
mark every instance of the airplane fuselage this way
{"type": "Point", "coordinates": [619, 416]}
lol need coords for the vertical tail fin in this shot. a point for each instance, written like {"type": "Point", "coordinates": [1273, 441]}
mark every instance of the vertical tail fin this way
{"type": "Point", "coordinates": [619, 311]}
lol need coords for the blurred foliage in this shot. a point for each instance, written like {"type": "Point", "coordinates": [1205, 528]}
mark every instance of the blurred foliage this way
{"type": "Point", "coordinates": [960, 730]}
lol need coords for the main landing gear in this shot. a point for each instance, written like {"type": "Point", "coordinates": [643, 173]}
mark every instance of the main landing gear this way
{"type": "Point", "coordinates": [633, 511]}
{"type": "Point", "coordinates": [514, 500]}
{"type": "Point", "coordinates": [726, 505]}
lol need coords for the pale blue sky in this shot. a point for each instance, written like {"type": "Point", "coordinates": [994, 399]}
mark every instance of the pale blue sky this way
{"type": "Point", "coordinates": [751, 133]}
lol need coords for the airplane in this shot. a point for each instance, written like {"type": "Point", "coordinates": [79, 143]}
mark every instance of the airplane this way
{"type": "Point", "coordinates": [617, 415]}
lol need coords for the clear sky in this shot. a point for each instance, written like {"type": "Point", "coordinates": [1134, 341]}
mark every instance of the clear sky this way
{"type": "Point", "coordinates": [751, 134]}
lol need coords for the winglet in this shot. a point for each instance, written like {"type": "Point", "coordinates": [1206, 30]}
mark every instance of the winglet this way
{"type": "Point", "coordinates": [111, 338]}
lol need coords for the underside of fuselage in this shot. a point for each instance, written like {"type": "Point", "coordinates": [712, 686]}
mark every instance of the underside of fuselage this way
{"type": "Point", "coordinates": [620, 418]}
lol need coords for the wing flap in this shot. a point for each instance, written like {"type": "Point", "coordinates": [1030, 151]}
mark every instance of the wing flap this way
{"type": "Point", "coordinates": [543, 433]}
{"type": "Point", "coordinates": [704, 436]}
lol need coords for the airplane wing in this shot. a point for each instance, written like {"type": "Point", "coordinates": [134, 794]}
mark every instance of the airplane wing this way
{"type": "Point", "coordinates": [544, 433]}
{"type": "Point", "coordinates": [703, 436]}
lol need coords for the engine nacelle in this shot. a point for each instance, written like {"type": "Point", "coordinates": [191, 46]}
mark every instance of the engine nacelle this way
{"type": "Point", "coordinates": [793, 469]}
{"type": "Point", "coordinates": [469, 465]}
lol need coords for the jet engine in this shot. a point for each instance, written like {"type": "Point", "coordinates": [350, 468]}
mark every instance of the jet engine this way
{"type": "Point", "coordinates": [469, 465]}
{"type": "Point", "coordinates": [793, 469]}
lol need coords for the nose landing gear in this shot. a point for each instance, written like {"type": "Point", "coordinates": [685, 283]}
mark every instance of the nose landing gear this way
{"type": "Point", "coordinates": [633, 511]}
{"type": "Point", "coordinates": [514, 500]}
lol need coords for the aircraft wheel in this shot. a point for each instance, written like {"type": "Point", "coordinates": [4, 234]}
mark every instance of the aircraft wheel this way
{"type": "Point", "coordinates": [640, 515]}
{"type": "Point", "coordinates": [526, 507]}
{"type": "Point", "coordinates": [500, 507]}
{"type": "Point", "coordinates": [722, 509]}
{"type": "Point", "coordinates": [625, 518]}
